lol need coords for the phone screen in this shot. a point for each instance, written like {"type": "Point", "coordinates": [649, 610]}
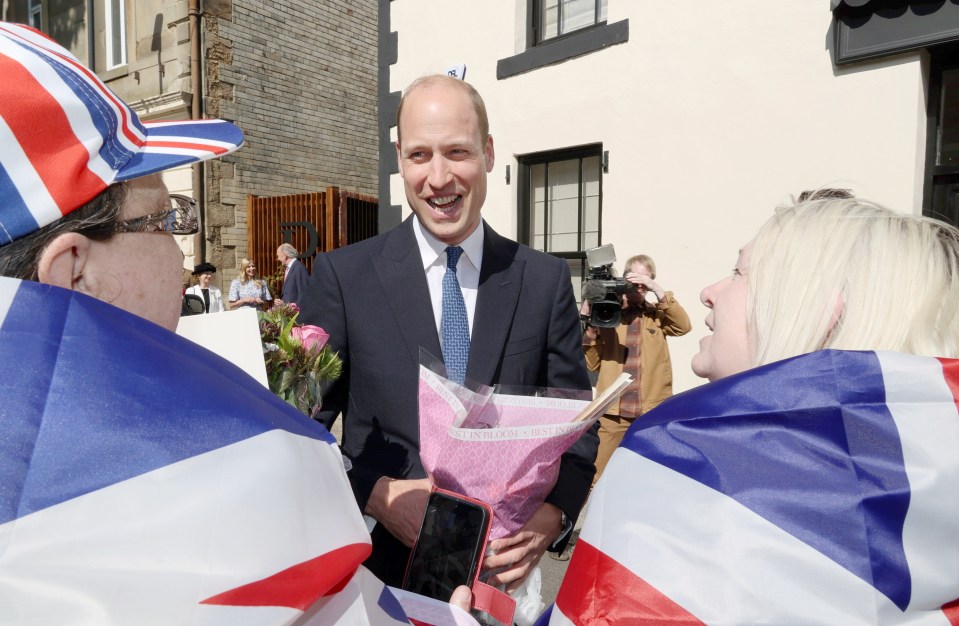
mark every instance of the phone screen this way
{"type": "Point", "coordinates": [447, 552]}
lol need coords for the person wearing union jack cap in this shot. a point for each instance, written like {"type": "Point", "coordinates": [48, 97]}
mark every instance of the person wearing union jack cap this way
{"type": "Point", "coordinates": [82, 203]}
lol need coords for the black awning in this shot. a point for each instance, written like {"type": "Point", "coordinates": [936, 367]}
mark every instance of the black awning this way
{"type": "Point", "coordinates": [851, 3]}
{"type": "Point", "coordinates": [868, 29]}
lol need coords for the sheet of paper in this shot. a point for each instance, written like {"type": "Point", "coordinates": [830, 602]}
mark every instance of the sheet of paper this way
{"type": "Point", "coordinates": [234, 335]}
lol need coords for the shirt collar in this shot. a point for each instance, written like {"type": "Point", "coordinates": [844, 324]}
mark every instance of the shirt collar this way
{"type": "Point", "coordinates": [431, 248]}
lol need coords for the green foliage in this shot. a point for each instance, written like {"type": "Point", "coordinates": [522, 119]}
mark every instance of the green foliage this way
{"type": "Point", "coordinates": [295, 373]}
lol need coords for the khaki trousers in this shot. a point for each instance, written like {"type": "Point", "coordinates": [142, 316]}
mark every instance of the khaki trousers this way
{"type": "Point", "coordinates": [612, 428]}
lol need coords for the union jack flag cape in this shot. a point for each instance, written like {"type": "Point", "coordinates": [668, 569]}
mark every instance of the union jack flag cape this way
{"type": "Point", "coordinates": [822, 489]}
{"type": "Point", "coordinates": [144, 480]}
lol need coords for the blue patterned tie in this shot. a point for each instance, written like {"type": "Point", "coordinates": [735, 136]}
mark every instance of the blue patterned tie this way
{"type": "Point", "coordinates": [454, 323]}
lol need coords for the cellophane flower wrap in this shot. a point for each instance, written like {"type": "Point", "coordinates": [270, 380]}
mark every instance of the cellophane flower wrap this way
{"type": "Point", "coordinates": [298, 360]}
{"type": "Point", "coordinates": [501, 448]}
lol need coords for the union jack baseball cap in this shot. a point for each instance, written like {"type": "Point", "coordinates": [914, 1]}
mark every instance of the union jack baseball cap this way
{"type": "Point", "coordinates": [65, 137]}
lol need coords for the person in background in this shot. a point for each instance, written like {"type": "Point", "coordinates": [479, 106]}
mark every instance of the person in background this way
{"type": "Point", "coordinates": [247, 290]}
{"type": "Point", "coordinates": [813, 480]}
{"type": "Point", "coordinates": [510, 319]}
{"type": "Point", "coordinates": [295, 276]}
{"type": "Point", "coordinates": [211, 296]}
{"type": "Point", "coordinates": [638, 347]}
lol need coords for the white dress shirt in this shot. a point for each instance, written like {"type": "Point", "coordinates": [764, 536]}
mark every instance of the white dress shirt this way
{"type": "Point", "coordinates": [433, 254]}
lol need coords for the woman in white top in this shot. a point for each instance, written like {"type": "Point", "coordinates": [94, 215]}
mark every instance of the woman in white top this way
{"type": "Point", "coordinates": [211, 296]}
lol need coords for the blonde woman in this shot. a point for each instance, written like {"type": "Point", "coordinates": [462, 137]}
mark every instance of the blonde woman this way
{"type": "Point", "coordinates": [814, 480]}
{"type": "Point", "coordinates": [247, 290]}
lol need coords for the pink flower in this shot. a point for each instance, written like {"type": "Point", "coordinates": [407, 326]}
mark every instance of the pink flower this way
{"type": "Point", "coordinates": [310, 336]}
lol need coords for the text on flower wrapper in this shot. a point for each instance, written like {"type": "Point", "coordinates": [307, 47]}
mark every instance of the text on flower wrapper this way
{"type": "Point", "coordinates": [507, 434]}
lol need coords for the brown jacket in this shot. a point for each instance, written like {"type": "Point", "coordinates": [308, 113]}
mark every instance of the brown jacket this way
{"type": "Point", "coordinates": [607, 354]}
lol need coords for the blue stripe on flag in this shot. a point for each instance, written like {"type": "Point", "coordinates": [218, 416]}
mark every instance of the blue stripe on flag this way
{"type": "Point", "coordinates": [93, 395]}
{"type": "Point", "coordinates": [16, 219]}
{"type": "Point", "coordinates": [808, 444]}
{"type": "Point", "coordinates": [391, 606]}
{"type": "Point", "coordinates": [543, 620]}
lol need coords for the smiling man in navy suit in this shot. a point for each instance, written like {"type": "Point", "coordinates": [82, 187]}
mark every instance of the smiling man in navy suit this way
{"type": "Point", "coordinates": [381, 300]}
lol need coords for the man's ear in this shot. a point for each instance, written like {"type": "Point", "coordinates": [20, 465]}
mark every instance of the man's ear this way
{"type": "Point", "coordinates": [399, 159]}
{"type": "Point", "coordinates": [63, 260]}
{"type": "Point", "coordinates": [490, 157]}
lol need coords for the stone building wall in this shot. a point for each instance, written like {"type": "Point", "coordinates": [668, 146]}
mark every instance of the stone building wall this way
{"type": "Point", "coordinates": [299, 77]}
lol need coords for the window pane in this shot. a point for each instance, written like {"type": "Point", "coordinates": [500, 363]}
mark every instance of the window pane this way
{"type": "Point", "coordinates": [578, 274]}
{"type": "Point", "coordinates": [564, 180]}
{"type": "Point", "coordinates": [590, 222]}
{"type": "Point", "coordinates": [549, 19]}
{"type": "Point", "coordinates": [537, 193]}
{"type": "Point", "coordinates": [602, 11]}
{"type": "Point", "coordinates": [591, 176]}
{"type": "Point", "coordinates": [116, 34]}
{"type": "Point", "coordinates": [949, 119]}
{"type": "Point", "coordinates": [564, 225]}
{"type": "Point", "coordinates": [35, 8]}
{"type": "Point", "coordinates": [578, 14]}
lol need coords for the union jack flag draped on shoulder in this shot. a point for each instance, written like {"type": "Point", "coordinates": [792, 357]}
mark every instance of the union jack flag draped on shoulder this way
{"type": "Point", "coordinates": [822, 489]}
{"type": "Point", "coordinates": [145, 480]}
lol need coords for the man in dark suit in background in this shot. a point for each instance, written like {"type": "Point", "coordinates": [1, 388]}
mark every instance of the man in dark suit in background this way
{"type": "Point", "coordinates": [382, 300]}
{"type": "Point", "coordinates": [296, 278]}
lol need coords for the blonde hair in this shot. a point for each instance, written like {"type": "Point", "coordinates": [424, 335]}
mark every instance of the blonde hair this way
{"type": "Point", "coordinates": [644, 260]}
{"type": "Point", "coordinates": [245, 263]}
{"type": "Point", "coordinates": [850, 274]}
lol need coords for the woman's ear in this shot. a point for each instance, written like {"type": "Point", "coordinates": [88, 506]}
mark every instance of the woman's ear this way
{"type": "Point", "coordinates": [63, 260]}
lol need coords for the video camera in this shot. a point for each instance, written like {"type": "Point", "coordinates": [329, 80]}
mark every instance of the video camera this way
{"type": "Point", "coordinates": [604, 290]}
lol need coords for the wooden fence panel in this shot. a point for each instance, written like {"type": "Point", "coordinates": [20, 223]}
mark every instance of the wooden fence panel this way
{"type": "Point", "coordinates": [311, 222]}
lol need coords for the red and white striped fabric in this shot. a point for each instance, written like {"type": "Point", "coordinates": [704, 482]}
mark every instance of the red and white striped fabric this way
{"type": "Point", "coordinates": [66, 137]}
{"type": "Point", "coordinates": [818, 490]}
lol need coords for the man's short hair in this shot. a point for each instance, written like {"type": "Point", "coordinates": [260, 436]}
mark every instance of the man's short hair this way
{"type": "Point", "coordinates": [433, 80]}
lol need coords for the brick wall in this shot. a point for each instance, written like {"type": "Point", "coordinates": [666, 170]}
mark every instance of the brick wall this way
{"type": "Point", "coordinates": [299, 77]}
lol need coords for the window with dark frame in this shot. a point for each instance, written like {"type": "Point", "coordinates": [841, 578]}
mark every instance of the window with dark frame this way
{"type": "Point", "coordinates": [116, 33]}
{"type": "Point", "coordinates": [556, 18]}
{"type": "Point", "coordinates": [35, 12]}
{"type": "Point", "coordinates": [941, 189]}
{"type": "Point", "coordinates": [560, 205]}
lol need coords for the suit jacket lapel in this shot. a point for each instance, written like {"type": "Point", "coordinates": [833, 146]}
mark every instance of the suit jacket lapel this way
{"type": "Point", "coordinates": [501, 279]}
{"type": "Point", "coordinates": [400, 271]}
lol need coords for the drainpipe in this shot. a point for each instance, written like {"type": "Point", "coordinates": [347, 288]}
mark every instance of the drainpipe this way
{"type": "Point", "coordinates": [91, 39]}
{"type": "Point", "coordinates": [196, 113]}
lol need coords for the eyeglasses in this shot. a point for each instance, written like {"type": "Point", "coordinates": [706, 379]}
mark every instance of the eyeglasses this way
{"type": "Point", "coordinates": [180, 219]}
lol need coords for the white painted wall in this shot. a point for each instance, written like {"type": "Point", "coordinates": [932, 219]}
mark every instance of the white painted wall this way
{"type": "Point", "coordinates": [712, 112]}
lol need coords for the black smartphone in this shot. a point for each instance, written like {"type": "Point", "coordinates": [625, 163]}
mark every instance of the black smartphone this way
{"type": "Point", "coordinates": [450, 546]}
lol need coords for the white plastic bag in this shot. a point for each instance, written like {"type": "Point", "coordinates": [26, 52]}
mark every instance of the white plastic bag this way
{"type": "Point", "coordinates": [529, 599]}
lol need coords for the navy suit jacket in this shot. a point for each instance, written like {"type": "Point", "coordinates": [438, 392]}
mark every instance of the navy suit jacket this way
{"type": "Point", "coordinates": [295, 284]}
{"type": "Point", "coordinates": [372, 298]}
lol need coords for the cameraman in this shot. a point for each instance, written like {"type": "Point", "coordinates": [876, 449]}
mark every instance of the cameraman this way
{"type": "Point", "coordinates": [638, 347]}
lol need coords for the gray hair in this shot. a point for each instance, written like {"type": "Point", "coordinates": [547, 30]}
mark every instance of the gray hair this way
{"type": "Point", "coordinates": [95, 219]}
{"type": "Point", "coordinates": [288, 250]}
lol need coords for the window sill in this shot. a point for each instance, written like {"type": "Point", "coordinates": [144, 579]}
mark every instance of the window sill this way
{"type": "Point", "coordinates": [569, 47]}
{"type": "Point", "coordinates": [114, 73]}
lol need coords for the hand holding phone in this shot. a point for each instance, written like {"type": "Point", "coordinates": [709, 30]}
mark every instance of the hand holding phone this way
{"type": "Point", "coordinates": [450, 546]}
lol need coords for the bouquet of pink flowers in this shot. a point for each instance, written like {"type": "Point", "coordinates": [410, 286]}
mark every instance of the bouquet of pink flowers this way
{"type": "Point", "coordinates": [297, 358]}
{"type": "Point", "coordinates": [501, 448]}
